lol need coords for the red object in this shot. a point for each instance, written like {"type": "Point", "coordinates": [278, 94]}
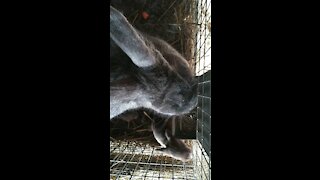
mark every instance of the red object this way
{"type": "Point", "coordinates": [145, 15]}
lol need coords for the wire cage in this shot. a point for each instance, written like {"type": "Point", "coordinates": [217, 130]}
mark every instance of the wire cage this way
{"type": "Point", "coordinates": [186, 25]}
{"type": "Point", "coordinates": [202, 155]}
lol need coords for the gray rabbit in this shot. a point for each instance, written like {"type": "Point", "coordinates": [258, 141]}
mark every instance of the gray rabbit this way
{"type": "Point", "coordinates": [146, 72]}
{"type": "Point", "coordinates": [163, 132]}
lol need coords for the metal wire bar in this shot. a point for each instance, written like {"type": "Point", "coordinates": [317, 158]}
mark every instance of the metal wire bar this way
{"type": "Point", "coordinates": [172, 169]}
{"type": "Point", "coordinates": [147, 169]}
{"type": "Point", "coordinates": [128, 160]}
{"type": "Point", "coordinates": [156, 164]}
{"type": "Point", "coordinates": [202, 152]}
{"type": "Point", "coordinates": [160, 167]}
{"type": "Point", "coordinates": [137, 164]}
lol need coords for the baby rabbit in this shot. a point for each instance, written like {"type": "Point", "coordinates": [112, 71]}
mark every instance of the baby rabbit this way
{"type": "Point", "coordinates": [170, 145]}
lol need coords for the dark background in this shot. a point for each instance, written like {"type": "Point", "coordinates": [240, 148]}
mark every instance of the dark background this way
{"type": "Point", "coordinates": [263, 84]}
{"type": "Point", "coordinates": [55, 89]}
{"type": "Point", "coordinates": [55, 56]}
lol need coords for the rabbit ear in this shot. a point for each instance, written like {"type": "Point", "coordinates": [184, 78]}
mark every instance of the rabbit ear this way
{"type": "Point", "coordinates": [129, 40]}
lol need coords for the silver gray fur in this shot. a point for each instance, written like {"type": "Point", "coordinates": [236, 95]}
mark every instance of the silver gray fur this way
{"type": "Point", "coordinates": [170, 145]}
{"type": "Point", "coordinates": [146, 72]}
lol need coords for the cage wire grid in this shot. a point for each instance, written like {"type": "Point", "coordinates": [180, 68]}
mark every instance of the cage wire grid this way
{"type": "Point", "coordinates": [202, 147]}
{"type": "Point", "coordinates": [131, 160]}
{"type": "Point", "coordinates": [134, 160]}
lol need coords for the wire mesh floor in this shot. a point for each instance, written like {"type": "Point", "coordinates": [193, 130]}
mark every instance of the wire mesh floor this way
{"type": "Point", "coordinates": [131, 160]}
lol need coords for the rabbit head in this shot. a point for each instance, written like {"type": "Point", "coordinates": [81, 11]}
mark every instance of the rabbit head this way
{"type": "Point", "coordinates": [146, 72]}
